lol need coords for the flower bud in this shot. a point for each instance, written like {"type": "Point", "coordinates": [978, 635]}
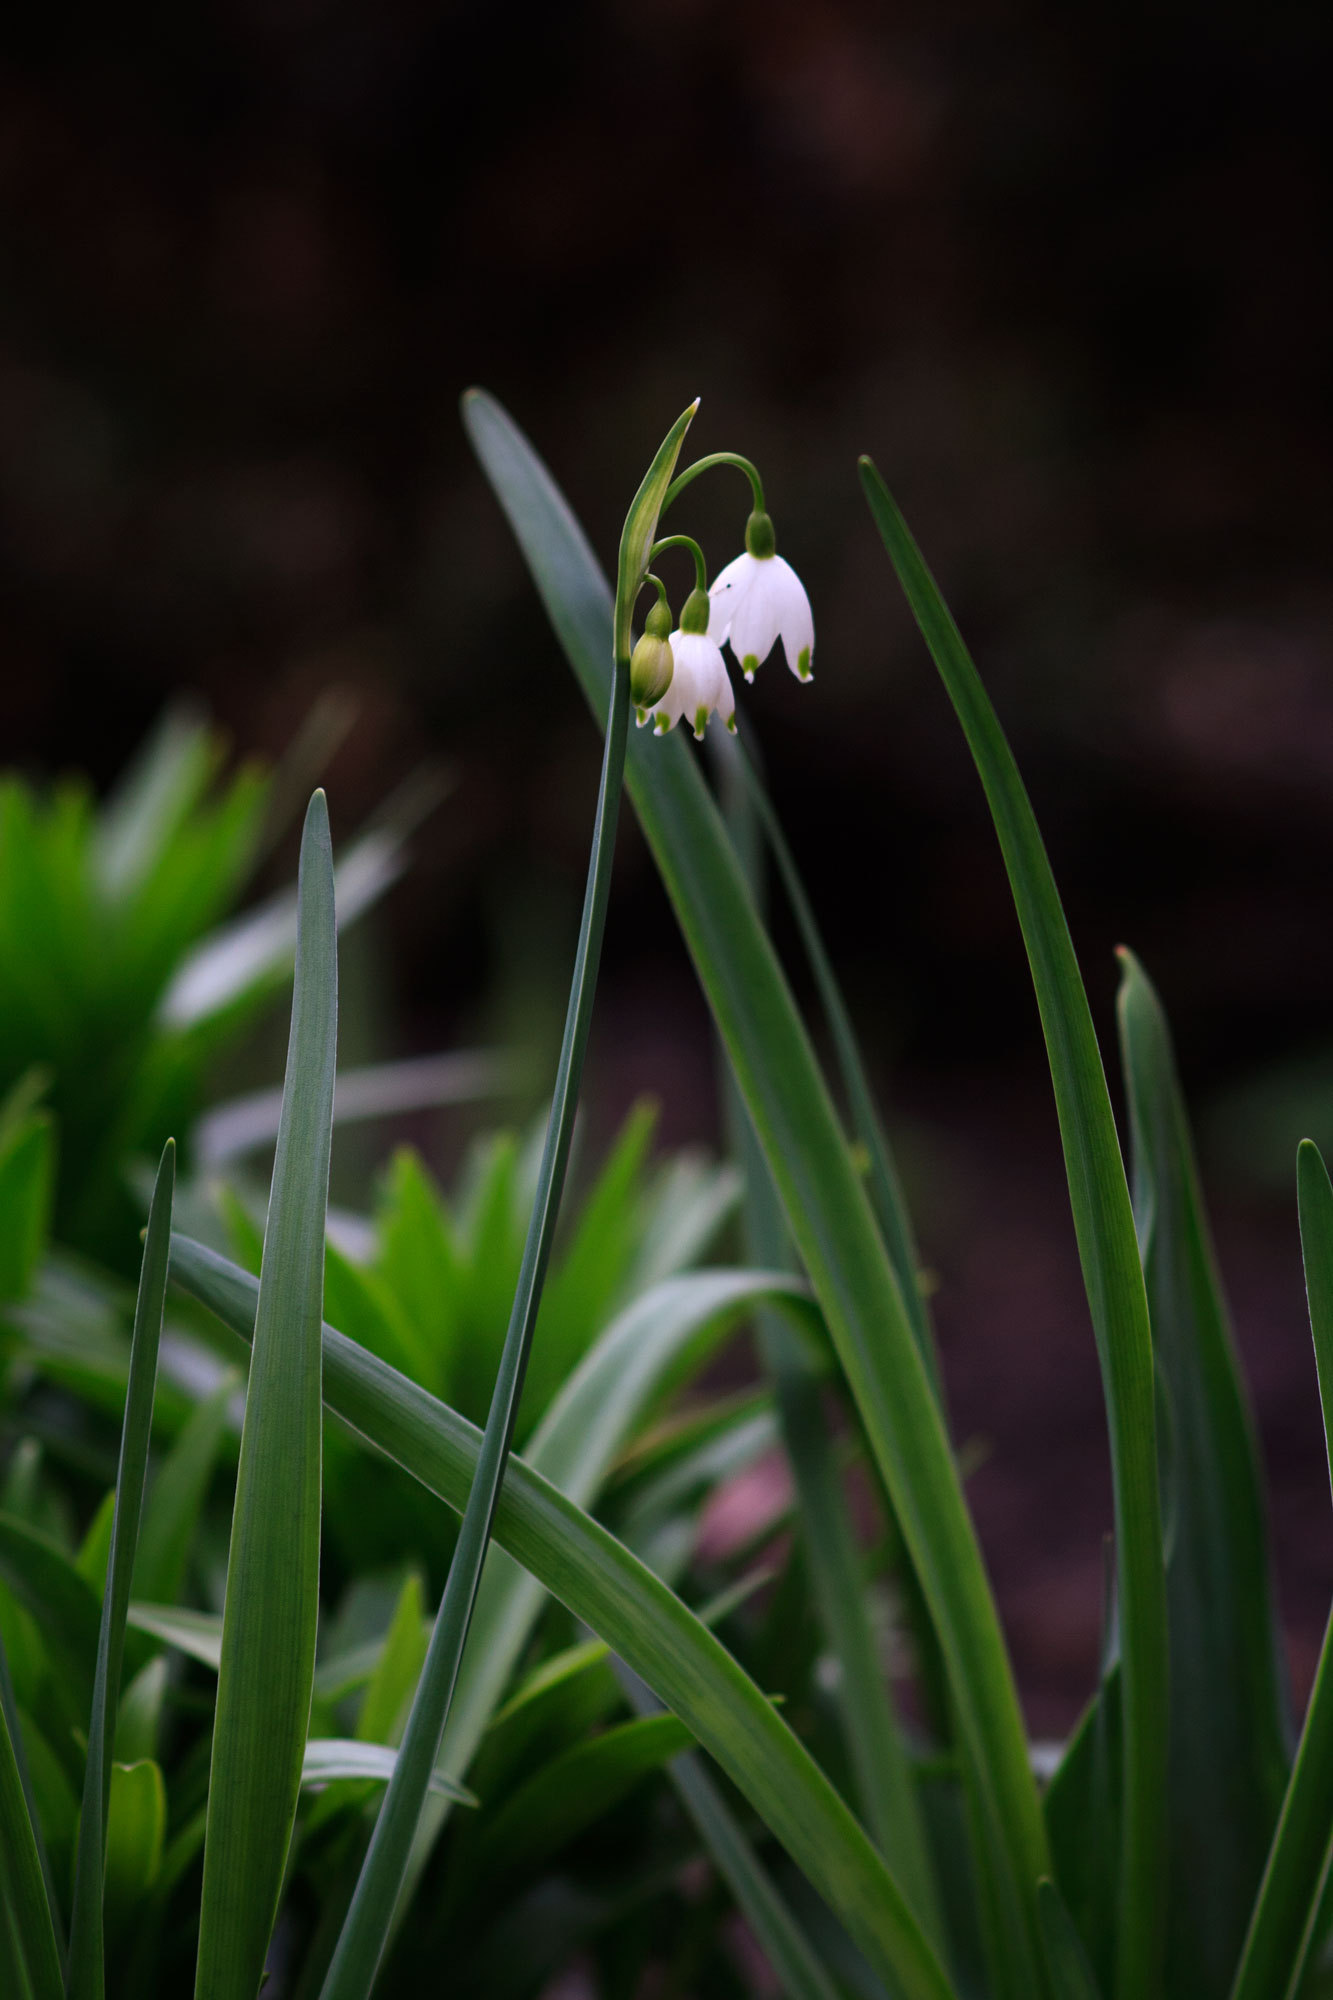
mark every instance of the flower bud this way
{"type": "Point", "coordinates": [651, 664]}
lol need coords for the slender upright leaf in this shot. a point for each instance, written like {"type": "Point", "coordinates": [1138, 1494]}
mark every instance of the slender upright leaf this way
{"type": "Point", "coordinates": [877, 1753]}
{"type": "Point", "coordinates": [272, 1601]}
{"type": "Point", "coordinates": [87, 1970]}
{"type": "Point", "coordinates": [1228, 1762]}
{"type": "Point", "coordinates": [1284, 1924]}
{"type": "Point", "coordinates": [621, 1600]}
{"type": "Point", "coordinates": [1108, 1248]}
{"type": "Point", "coordinates": [361, 1943]}
{"type": "Point", "coordinates": [822, 1195]}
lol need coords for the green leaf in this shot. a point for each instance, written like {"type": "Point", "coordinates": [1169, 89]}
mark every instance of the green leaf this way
{"type": "Point", "coordinates": [1108, 1249]}
{"type": "Point", "coordinates": [640, 529]}
{"type": "Point", "coordinates": [87, 1972]}
{"type": "Point", "coordinates": [781, 1938]}
{"type": "Point", "coordinates": [669, 1329]}
{"type": "Point", "coordinates": [177, 1495]}
{"type": "Point", "coordinates": [330, 1758]}
{"type": "Point", "coordinates": [21, 1880]}
{"type": "Point", "coordinates": [569, 1794]}
{"type": "Point", "coordinates": [267, 1667]}
{"type": "Point", "coordinates": [1228, 1762]}
{"type": "Point", "coordinates": [874, 1742]}
{"type": "Point", "coordinates": [396, 1671]}
{"type": "Point", "coordinates": [64, 1605]}
{"type": "Point", "coordinates": [884, 1186]}
{"type": "Point", "coordinates": [388, 1858]}
{"type": "Point", "coordinates": [139, 1718]}
{"type": "Point", "coordinates": [135, 1826]}
{"type": "Point", "coordinates": [1084, 1816]}
{"type": "Point", "coordinates": [621, 1600]}
{"type": "Point", "coordinates": [822, 1194]}
{"type": "Point", "coordinates": [1284, 1923]}
{"type": "Point", "coordinates": [196, 1633]}
{"type": "Point", "coordinates": [94, 1556]}
{"type": "Point", "coordinates": [1067, 1965]}
{"type": "Point", "coordinates": [27, 1188]}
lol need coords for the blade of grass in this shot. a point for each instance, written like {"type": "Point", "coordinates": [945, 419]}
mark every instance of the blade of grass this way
{"type": "Point", "coordinates": [1283, 1927]}
{"type": "Point", "coordinates": [621, 1600]}
{"type": "Point", "coordinates": [87, 1968]}
{"type": "Point", "coordinates": [1108, 1250]}
{"type": "Point", "coordinates": [272, 1598]}
{"type": "Point", "coordinates": [822, 1195]}
{"type": "Point", "coordinates": [1228, 1758]}
{"type": "Point", "coordinates": [364, 1935]}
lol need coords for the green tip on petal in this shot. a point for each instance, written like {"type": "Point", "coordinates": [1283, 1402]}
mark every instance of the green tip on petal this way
{"type": "Point", "coordinates": [750, 666]}
{"type": "Point", "coordinates": [803, 672]}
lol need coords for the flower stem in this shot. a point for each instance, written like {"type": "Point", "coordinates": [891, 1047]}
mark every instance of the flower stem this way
{"type": "Point", "coordinates": [685, 542]}
{"type": "Point", "coordinates": [691, 472]}
{"type": "Point", "coordinates": [369, 1917]}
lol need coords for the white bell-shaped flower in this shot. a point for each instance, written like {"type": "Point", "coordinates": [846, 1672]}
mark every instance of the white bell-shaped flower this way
{"type": "Point", "coordinates": [757, 600]}
{"type": "Point", "coordinates": [700, 684]}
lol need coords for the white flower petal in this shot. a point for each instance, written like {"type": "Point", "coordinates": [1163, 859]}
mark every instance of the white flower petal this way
{"type": "Point", "coordinates": [754, 623]}
{"type": "Point", "coordinates": [795, 619]}
{"type": "Point", "coordinates": [727, 590]}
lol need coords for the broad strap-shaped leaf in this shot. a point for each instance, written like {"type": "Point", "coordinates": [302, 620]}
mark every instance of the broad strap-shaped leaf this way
{"type": "Point", "coordinates": [1285, 1923]}
{"type": "Point", "coordinates": [822, 1195]}
{"type": "Point", "coordinates": [620, 1599]}
{"type": "Point", "coordinates": [272, 1602]}
{"type": "Point", "coordinates": [1228, 1760]}
{"type": "Point", "coordinates": [1108, 1250]}
{"type": "Point", "coordinates": [87, 1969]}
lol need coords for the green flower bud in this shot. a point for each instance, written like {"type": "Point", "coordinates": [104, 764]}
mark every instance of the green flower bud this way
{"type": "Point", "coordinates": [651, 664]}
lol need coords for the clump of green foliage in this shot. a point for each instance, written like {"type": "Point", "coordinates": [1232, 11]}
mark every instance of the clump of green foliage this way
{"type": "Point", "coordinates": [229, 1756]}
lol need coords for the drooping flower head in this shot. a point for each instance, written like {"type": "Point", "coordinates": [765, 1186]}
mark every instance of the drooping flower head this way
{"type": "Point", "coordinates": [700, 685]}
{"type": "Point", "coordinates": [758, 599]}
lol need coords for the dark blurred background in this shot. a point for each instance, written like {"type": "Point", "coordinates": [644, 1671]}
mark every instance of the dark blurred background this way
{"type": "Point", "coordinates": [1064, 271]}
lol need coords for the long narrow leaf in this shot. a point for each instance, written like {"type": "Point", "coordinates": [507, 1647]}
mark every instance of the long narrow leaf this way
{"type": "Point", "coordinates": [877, 1753]}
{"type": "Point", "coordinates": [1228, 1759]}
{"type": "Point", "coordinates": [365, 1933]}
{"type": "Point", "coordinates": [1108, 1249]}
{"type": "Point", "coordinates": [621, 1600]}
{"type": "Point", "coordinates": [272, 1601]}
{"type": "Point", "coordinates": [822, 1195]}
{"type": "Point", "coordinates": [784, 1943]}
{"type": "Point", "coordinates": [87, 1969]}
{"type": "Point", "coordinates": [1283, 1925]}
{"type": "Point", "coordinates": [574, 1446]}
{"type": "Point", "coordinates": [886, 1195]}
